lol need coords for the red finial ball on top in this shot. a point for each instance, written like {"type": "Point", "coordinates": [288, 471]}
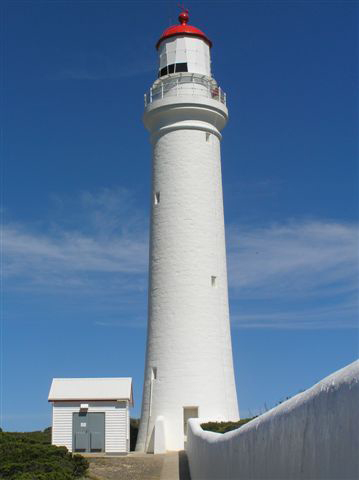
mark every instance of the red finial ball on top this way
{"type": "Point", "coordinates": [183, 17]}
{"type": "Point", "coordinates": [183, 29]}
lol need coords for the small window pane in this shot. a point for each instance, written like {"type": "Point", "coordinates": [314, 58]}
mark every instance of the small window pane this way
{"type": "Point", "coordinates": [171, 68]}
{"type": "Point", "coordinates": [181, 67]}
{"type": "Point", "coordinates": [163, 71]}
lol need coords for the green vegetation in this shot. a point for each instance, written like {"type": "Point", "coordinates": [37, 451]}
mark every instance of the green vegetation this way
{"type": "Point", "coordinates": [30, 456]}
{"type": "Point", "coordinates": [223, 427]}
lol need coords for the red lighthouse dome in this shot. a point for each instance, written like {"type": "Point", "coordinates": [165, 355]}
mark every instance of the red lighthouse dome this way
{"type": "Point", "coordinates": [183, 29]}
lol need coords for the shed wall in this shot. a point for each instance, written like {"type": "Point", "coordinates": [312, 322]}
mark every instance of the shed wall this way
{"type": "Point", "coordinates": [117, 429]}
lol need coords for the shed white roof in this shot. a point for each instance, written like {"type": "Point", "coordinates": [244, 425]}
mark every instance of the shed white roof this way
{"type": "Point", "coordinates": [91, 389]}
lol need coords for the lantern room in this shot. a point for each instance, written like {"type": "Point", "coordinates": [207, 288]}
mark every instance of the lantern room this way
{"type": "Point", "coordinates": [184, 48]}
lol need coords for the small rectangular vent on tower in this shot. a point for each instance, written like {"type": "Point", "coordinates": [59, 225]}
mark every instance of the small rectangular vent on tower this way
{"type": "Point", "coordinates": [213, 281]}
{"type": "Point", "coordinates": [157, 198]}
{"type": "Point", "coordinates": [154, 373]}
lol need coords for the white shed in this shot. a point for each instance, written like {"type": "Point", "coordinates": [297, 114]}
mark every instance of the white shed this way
{"type": "Point", "coordinates": [91, 414]}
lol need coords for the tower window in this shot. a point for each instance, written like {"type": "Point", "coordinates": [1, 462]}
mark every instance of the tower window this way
{"type": "Point", "coordinates": [181, 67]}
{"type": "Point", "coordinates": [208, 137]}
{"type": "Point", "coordinates": [163, 71]}
{"type": "Point", "coordinates": [213, 281]}
{"type": "Point", "coordinates": [173, 68]}
{"type": "Point", "coordinates": [154, 373]}
{"type": "Point", "coordinates": [157, 198]}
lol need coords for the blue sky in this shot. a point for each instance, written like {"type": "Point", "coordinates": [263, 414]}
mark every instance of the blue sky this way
{"type": "Point", "coordinates": [76, 175]}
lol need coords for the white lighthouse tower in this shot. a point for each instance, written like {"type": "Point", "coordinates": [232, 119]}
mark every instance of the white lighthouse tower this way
{"type": "Point", "coordinates": [189, 366]}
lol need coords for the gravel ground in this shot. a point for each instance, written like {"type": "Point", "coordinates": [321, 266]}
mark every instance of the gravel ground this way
{"type": "Point", "coordinates": [130, 467]}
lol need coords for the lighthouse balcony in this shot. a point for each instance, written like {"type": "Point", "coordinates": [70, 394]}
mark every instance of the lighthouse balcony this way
{"type": "Point", "coordinates": [185, 84]}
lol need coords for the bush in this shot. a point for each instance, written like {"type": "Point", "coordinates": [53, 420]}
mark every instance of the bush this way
{"type": "Point", "coordinates": [29, 456]}
{"type": "Point", "coordinates": [45, 476]}
{"type": "Point", "coordinates": [80, 465]}
{"type": "Point", "coordinates": [223, 427]}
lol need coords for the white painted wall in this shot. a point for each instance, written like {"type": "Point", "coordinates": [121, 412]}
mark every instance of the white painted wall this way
{"type": "Point", "coordinates": [314, 435]}
{"type": "Point", "coordinates": [189, 340]}
{"type": "Point", "coordinates": [184, 49]}
{"type": "Point", "coordinates": [117, 428]}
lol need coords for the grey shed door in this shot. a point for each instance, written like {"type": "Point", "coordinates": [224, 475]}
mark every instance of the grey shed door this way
{"type": "Point", "coordinates": [88, 430]}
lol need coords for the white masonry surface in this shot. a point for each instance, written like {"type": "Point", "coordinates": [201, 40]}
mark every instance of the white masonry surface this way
{"type": "Point", "coordinates": [314, 435]}
{"type": "Point", "coordinates": [189, 353]}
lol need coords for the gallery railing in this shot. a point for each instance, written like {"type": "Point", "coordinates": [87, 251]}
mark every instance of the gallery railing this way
{"type": "Point", "coordinates": [185, 84]}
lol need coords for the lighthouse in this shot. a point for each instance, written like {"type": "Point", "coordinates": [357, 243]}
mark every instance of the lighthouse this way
{"type": "Point", "coordinates": [189, 365]}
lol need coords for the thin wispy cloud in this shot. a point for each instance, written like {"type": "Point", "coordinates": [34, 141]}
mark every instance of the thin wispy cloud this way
{"type": "Point", "coordinates": [134, 323]}
{"type": "Point", "coordinates": [301, 274]}
{"type": "Point", "coordinates": [298, 274]}
{"type": "Point", "coordinates": [71, 252]}
{"type": "Point", "coordinates": [94, 66]}
{"type": "Point", "coordinates": [342, 315]}
{"type": "Point", "coordinates": [295, 259]}
{"type": "Point", "coordinates": [103, 235]}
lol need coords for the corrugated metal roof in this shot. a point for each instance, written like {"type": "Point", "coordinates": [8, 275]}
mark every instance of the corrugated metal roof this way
{"type": "Point", "coordinates": [91, 389]}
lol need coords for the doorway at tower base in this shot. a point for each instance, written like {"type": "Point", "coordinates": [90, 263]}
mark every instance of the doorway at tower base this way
{"type": "Point", "coordinates": [157, 443]}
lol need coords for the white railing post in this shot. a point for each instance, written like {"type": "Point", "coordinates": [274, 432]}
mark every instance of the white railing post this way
{"type": "Point", "coordinates": [145, 99]}
{"type": "Point", "coordinates": [161, 89]}
{"type": "Point", "coordinates": [151, 95]}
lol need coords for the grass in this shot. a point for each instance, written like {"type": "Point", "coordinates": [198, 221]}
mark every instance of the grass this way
{"type": "Point", "coordinates": [223, 427]}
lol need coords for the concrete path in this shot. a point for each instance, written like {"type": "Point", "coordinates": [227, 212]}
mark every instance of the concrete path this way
{"type": "Point", "coordinates": [175, 466]}
{"type": "Point", "coordinates": [139, 466]}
